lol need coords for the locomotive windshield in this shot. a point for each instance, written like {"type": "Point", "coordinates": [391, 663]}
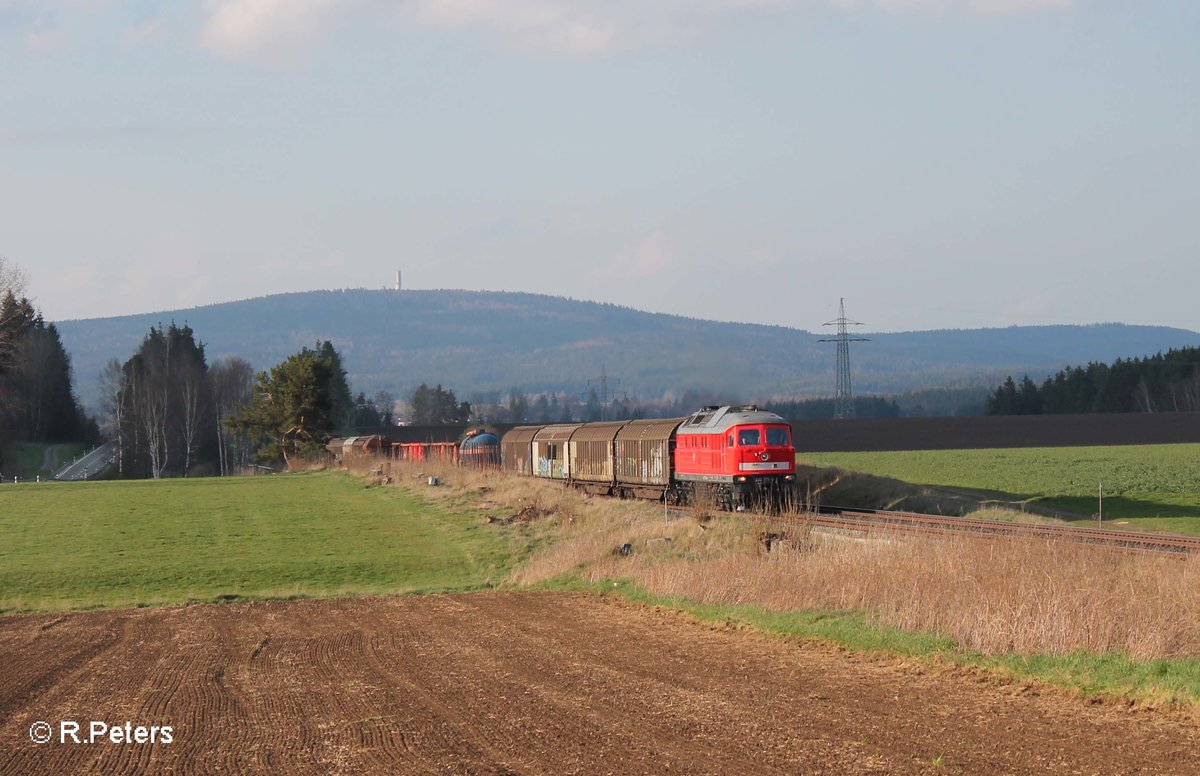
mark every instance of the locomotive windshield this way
{"type": "Point", "coordinates": [748, 436]}
{"type": "Point", "coordinates": [777, 436]}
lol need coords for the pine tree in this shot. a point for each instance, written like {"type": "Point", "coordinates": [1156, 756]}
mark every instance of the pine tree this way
{"type": "Point", "coordinates": [293, 411]}
{"type": "Point", "coordinates": [37, 402]}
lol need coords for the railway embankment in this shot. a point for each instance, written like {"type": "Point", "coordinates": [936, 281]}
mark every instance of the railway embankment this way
{"type": "Point", "coordinates": [1091, 618]}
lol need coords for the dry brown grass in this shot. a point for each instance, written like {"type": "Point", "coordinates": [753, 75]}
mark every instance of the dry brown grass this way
{"type": "Point", "coordinates": [309, 463]}
{"type": "Point", "coordinates": [994, 596]}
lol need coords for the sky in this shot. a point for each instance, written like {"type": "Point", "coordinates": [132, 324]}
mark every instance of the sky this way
{"type": "Point", "coordinates": [937, 163]}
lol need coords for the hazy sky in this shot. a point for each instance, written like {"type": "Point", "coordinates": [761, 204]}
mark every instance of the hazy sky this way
{"type": "Point", "coordinates": [939, 163]}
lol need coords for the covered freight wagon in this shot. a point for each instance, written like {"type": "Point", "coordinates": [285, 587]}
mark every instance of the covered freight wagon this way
{"type": "Point", "coordinates": [360, 446]}
{"type": "Point", "coordinates": [590, 455]}
{"type": "Point", "coordinates": [515, 449]}
{"type": "Point", "coordinates": [550, 451]}
{"type": "Point", "coordinates": [643, 451]}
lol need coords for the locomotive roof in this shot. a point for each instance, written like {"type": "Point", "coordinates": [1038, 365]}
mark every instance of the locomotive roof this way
{"type": "Point", "coordinates": [714, 420]}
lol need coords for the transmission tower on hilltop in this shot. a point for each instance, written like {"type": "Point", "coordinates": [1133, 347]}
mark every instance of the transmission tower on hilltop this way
{"type": "Point", "coordinates": [844, 402]}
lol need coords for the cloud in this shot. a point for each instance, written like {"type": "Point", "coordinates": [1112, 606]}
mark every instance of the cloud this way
{"type": "Point", "coordinates": [275, 29]}
{"type": "Point", "coordinates": [1018, 6]}
{"type": "Point", "coordinates": [284, 31]}
{"type": "Point", "coordinates": [147, 31]}
{"type": "Point", "coordinates": [975, 6]}
{"type": "Point", "coordinates": [588, 28]}
{"type": "Point", "coordinates": [46, 34]}
{"type": "Point", "coordinates": [584, 28]}
{"type": "Point", "coordinates": [652, 256]}
{"type": "Point", "coordinates": [573, 29]}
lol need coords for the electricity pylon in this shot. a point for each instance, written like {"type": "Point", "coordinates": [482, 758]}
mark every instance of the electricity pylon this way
{"type": "Point", "coordinates": [604, 381]}
{"type": "Point", "coordinates": [844, 402]}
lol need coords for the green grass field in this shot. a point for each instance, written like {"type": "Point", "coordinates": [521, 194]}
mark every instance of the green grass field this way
{"type": "Point", "coordinates": [122, 544]}
{"type": "Point", "coordinates": [70, 546]}
{"type": "Point", "coordinates": [1153, 487]}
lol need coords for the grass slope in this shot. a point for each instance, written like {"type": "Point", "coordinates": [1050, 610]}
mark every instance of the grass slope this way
{"type": "Point", "coordinates": [117, 544]}
{"type": "Point", "coordinates": [1154, 487]}
{"type": "Point", "coordinates": [1115, 675]}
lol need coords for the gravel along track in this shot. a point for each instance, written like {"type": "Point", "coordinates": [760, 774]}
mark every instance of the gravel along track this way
{"type": "Point", "coordinates": [529, 683]}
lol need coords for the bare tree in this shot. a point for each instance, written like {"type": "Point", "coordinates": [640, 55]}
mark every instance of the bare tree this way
{"type": "Point", "coordinates": [192, 389]}
{"type": "Point", "coordinates": [518, 406]}
{"type": "Point", "coordinates": [12, 278]}
{"type": "Point", "coordinates": [112, 404]}
{"type": "Point", "coordinates": [232, 389]}
{"type": "Point", "coordinates": [1141, 396]}
{"type": "Point", "coordinates": [154, 414]}
{"type": "Point", "coordinates": [12, 283]}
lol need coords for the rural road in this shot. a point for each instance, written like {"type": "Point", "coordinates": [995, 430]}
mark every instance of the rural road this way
{"type": "Point", "coordinates": [88, 466]}
{"type": "Point", "coordinates": [528, 683]}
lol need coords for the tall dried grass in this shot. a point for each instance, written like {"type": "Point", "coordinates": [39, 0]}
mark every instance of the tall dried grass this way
{"type": "Point", "coordinates": [994, 596]}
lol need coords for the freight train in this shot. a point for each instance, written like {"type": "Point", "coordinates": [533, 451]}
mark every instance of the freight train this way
{"type": "Point", "coordinates": [733, 457]}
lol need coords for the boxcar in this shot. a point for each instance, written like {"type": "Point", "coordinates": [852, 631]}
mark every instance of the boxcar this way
{"type": "Point", "coordinates": [550, 451]}
{"type": "Point", "coordinates": [515, 449]}
{"type": "Point", "coordinates": [591, 455]}
{"type": "Point", "coordinates": [643, 452]}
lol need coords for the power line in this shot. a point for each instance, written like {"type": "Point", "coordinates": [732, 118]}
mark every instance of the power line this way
{"type": "Point", "coordinates": [844, 403]}
{"type": "Point", "coordinates": [603, 380]}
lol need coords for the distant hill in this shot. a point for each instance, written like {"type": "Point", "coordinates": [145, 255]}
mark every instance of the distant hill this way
{"type": "Point", "coordinates": [493, 341]}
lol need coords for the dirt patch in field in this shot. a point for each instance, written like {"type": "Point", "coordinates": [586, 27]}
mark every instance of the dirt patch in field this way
{"type": "Point", "coordinates": [529, 683]}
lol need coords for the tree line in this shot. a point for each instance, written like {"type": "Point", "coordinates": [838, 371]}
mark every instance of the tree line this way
{"type": "Point", "coordinates": [171, 414]}
{"type": "Point", "coordinates": [824, 409]}
{"type": "Point", "coordinates": [1164, 382]}
{"type": "Point", "coordinates": [166, 409]}
{"type": "Point", "coordinates": [37, 402]}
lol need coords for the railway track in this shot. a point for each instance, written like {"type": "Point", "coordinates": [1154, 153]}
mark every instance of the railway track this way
{"type": "Point", "coordinates": [878, 521]}
{"type": "Point", "coordinates": [868, 521]}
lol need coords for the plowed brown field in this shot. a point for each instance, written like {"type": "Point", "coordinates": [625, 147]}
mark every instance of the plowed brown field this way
{"type": "Point", "coordinates": [528, 683]}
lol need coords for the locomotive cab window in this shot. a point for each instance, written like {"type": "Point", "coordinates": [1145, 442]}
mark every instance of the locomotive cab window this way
{"type": "Point", "coordinates": [748, 436]}
{"type": "Point", "coordinates": [778, 437]}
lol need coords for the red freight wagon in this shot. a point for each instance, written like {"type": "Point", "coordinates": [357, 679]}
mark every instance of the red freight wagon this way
{"type": "Point", "coordinates": [445, 452]}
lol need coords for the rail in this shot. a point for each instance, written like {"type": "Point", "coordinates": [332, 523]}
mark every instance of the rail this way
{"type": "Point", "coordinates": [868, 521]}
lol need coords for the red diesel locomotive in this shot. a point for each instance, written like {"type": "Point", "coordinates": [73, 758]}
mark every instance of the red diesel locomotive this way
{"type": "Point", "coordinates": [733, 456]}
{"type": "Point", "coordinates": [741, 455]}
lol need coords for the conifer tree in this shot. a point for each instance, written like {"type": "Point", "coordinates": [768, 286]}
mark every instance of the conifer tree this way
{"type": "Point", "coordinates": [294, 407]}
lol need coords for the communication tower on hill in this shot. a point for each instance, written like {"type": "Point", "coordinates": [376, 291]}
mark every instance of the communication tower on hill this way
{"type": "Point", "coordinates": [844, 402]}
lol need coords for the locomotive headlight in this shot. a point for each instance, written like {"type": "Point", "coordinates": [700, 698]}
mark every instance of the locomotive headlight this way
{"type": "Point", "coordinates": [790, 477]}
{"type": "Point", "coordinates": [741, 479]}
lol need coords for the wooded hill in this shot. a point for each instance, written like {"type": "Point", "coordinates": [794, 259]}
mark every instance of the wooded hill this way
{"type": "Point", "coordinates": [493, 341]}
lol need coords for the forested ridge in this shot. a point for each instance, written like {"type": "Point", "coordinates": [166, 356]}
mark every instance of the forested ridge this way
{"type": "Point", "coordinates": [184, 399]}
{"type": "Point", "coordinates": [486, 343]}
